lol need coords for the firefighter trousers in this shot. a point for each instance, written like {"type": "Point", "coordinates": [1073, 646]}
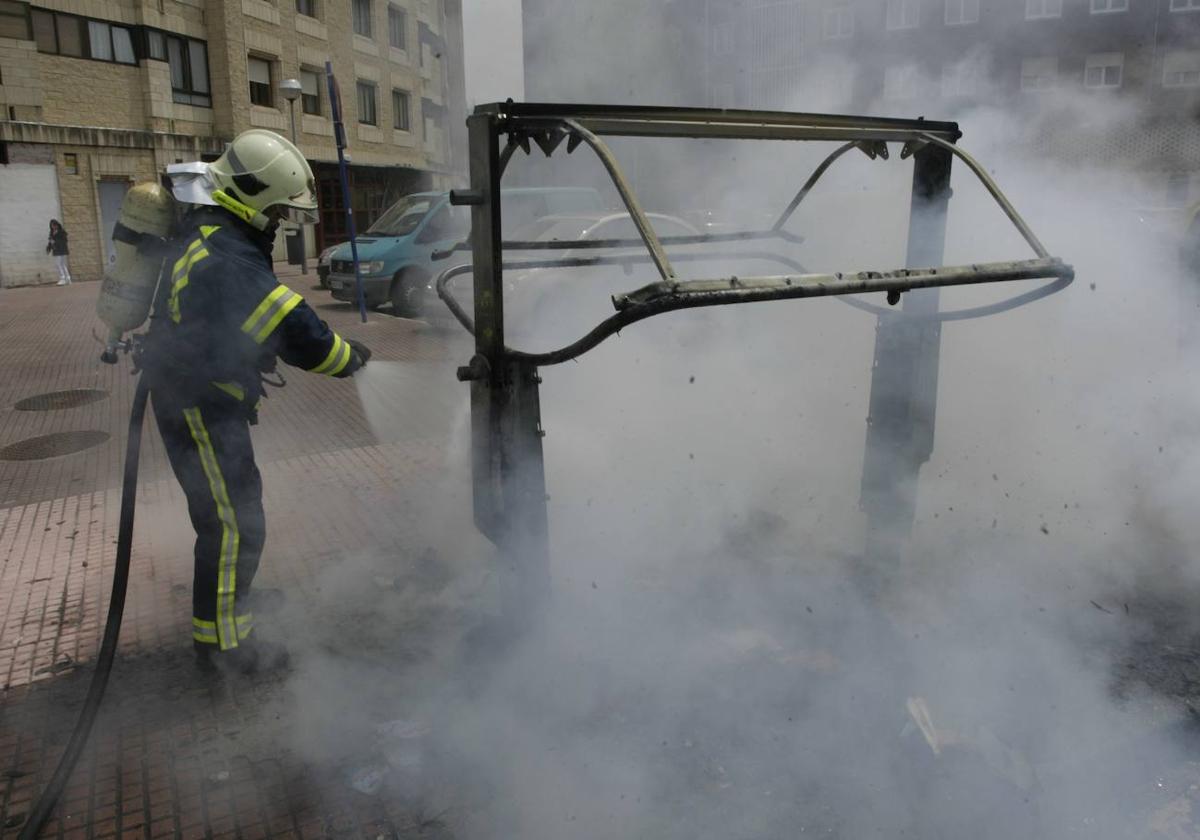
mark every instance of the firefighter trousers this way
{"type": "Point", "coordinates": [208, 445]}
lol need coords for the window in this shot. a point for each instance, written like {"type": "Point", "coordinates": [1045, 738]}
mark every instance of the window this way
{"type": "Point", "coordinates": [310, 91]}
{"type": "Point", "coordinates": [1037, 9]}
{"type": "Point", "coordinates": [397, 27]}
{"type": "Point", "coordinates": [1181, 69]}
{"type": "Point", "coordinates": [1039, 73]}
{"type": "Point", "coordinates": [903, 14]}
{"type": "Point", "coordinates": [960, 12]}
{"type": "Point", "coordinates": [900, 82]}
{"type": "Point", "coordinates": [260, 81]}
{"type": "Point", "coordinates": [71, 163]}
{"type": "Point", "coordinates": [367, 114]}
{"type": "Point", "coordinates": [100, 41]}
{"type": "Point", "coordinates": [962, 79]}
{"type": "Point", "coordinates": [62, 34]}
{"type": "Point", "coordinates": [722, 35]}
{"type": "Point", "coordinates": [189, 70]}
{"type": "Point", "coordinates": [400, 118]}
{"type": "Point", "coordinates": [156, 45]}
{"type": "Point", "coordinates": [839, 22]}
{"type": "Point", "coordinates": [1100, 7]}
{"type": "Point", "coordinates": [69, 30]}
{"type": "Point", "coordinates": [1185, 5]}
{"type": "Point", "coordinates": [43, 31]}
{"type": "Point", "coordinates": [308, 8]}
{"type": "Point", "coordinates": [123, 45]}
{"type": "Point", "coordinates": [14, 20]}
{"type": "Point", "coordinates": [362, 17]}
{"type": "Point", "coordinates": [1103, 70]}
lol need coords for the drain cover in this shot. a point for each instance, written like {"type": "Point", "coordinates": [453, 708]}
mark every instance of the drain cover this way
{"type": "Point", "coordinates": [60, 399]}
{"type": "Point", "coordinates": [48, 446]}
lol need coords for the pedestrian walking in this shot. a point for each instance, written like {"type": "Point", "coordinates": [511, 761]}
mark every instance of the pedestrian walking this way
{"type": "Point", "coordinates": [57, 245]}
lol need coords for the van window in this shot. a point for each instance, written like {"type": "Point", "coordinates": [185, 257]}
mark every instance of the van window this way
{"type": "Point", "coordinates": [401, 218]}
{"type": "Point", "coordinates": [449, 222]}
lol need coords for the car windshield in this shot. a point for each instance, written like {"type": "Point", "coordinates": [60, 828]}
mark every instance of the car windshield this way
{"type": "Point", "coordinates": [401, 218]}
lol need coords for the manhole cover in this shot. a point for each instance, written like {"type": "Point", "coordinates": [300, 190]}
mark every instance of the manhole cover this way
{"type": "Point", "coordinates": [48, 446]}
{"type": "Point", "coordinates": [60, 399]}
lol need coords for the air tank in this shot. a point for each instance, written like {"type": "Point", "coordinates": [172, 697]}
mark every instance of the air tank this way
{"type": "Point", "coordinates": [127, 292]}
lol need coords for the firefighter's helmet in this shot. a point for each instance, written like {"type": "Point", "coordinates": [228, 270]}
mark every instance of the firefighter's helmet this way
{"type": "Point", "coordinates": [260, 170]}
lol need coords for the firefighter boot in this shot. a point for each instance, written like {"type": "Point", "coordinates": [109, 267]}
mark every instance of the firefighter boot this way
{"type": "Point", "coordinates": [252, 656]}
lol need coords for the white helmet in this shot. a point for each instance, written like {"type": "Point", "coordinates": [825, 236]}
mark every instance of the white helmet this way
{"type": "Point", "coordinates": [260, 170]}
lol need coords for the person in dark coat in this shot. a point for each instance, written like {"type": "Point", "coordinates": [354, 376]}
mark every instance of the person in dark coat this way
{"type": "Point", "coordinates": [57, 245]}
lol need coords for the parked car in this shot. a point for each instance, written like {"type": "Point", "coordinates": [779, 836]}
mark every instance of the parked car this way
{"type": "Point", "coordinates": [395, 254]}
{"type": "Point", "coordinates": [544, 302]}
{"type": "Point", "coordinates": [323, 266]}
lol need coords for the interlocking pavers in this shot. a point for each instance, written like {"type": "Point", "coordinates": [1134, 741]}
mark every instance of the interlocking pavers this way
{"type": "Point", "coordinates": [175, 754]}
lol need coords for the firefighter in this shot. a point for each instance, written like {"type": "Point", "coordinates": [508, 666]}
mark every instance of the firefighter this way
{"type": "Point", "coordinates": [221, 320]}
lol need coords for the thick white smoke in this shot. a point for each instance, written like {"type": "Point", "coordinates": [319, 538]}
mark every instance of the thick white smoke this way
{"type": "Point", "coordinates": [712, 664]}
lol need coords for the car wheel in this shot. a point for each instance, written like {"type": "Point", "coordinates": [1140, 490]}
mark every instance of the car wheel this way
{"type": "Point", "coordinates": [408, 295]}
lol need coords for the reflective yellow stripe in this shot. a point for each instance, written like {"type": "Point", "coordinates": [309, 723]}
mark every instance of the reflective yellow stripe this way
{"type": "Point", "coordinates": [226, 629]}
{"type": "Point", "coordinates": [338, 356]}
{"type": "Point", "coordinates": [285, 306]}
{"type": "Point", "coordinates": [182, 261]}
{"type": "Point", "coordinates": [206, 631]}
{"type": "Point", "coordinates": [343, 360]}
{"type": "Point", "coordinates": [183, 270]}
{"type": "Point", "coordinates": [267, 315]}
{"type": "Point", "coordinates": [208, 230]}
{"type": "Point", "coordinates": [232, 389]}
{"type": "Point", "coordinates": [261, 309]}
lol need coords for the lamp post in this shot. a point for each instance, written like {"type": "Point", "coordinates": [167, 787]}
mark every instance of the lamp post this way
{"type": "Point", "coordinates": [291, 90]}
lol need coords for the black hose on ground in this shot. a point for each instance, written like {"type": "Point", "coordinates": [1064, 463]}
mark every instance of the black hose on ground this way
{"type": "Point", "coordinates": [112, 625]}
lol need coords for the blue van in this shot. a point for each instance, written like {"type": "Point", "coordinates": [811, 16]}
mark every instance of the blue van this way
{"type": "Point", "coordinates": [395, 254]}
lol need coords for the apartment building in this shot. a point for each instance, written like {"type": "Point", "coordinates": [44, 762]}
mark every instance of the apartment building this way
{"type": "Point", "coordinates": [96, 95]}
{"type": "Point", "coordinates": [1111, 81]}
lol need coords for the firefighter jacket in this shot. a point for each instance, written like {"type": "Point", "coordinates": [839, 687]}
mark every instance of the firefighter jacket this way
{"type": "Point", "coordinates": [222, 318]}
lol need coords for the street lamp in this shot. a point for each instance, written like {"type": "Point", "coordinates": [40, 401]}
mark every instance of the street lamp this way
{"type": "Point", "coordinates": [291, 89]}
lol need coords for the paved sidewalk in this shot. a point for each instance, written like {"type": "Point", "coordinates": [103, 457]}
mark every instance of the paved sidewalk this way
{"type": "Point", "coordinates": [175, 754]}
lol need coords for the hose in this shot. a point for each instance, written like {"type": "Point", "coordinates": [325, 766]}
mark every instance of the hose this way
{"type": "Point", "coordinates": [112, 625]}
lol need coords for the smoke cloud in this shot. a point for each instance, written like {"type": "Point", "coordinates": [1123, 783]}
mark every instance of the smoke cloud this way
{"type": "Point", "coordinates": [717, 660]}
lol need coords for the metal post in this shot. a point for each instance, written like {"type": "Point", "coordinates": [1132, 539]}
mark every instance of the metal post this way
{"type": "Point", "coordinates": [339, 135]}
{"type": "Point", "coordinates": [904, 377]}
{"type": "Point", "coordinates": [507, 467]}
{"type": "Point", "coordinates": [300, 228]}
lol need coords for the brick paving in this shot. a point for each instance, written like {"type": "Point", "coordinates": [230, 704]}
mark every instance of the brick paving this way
{"type": "Point", "coordinates": [175, 754]}
{"type": "Point", "coordinates": [354, 516]}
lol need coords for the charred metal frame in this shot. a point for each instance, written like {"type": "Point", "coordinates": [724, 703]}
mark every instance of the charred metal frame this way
{"type": "Point", "coordinates": [507, 462]}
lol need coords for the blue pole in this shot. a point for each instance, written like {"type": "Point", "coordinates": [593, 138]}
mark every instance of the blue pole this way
{"type": "Point", "coordinates": [339, 135]}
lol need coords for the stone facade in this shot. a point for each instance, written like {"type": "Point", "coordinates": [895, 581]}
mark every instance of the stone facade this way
{"type": "Point", "coordinates": [101, 121]}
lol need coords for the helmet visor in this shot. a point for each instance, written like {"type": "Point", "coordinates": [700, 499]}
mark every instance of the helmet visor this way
{"type": "Point", "coordinates": [301, 207]}
{"type": "Point", "coordinates": [301, 215]}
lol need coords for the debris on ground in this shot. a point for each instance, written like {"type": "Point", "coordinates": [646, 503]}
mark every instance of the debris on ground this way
{"type": "Point", "coordinates": [367, 779]}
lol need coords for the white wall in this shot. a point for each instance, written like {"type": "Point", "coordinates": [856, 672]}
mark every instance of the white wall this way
{"type": "Point", "coordinates": [28, 201]}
